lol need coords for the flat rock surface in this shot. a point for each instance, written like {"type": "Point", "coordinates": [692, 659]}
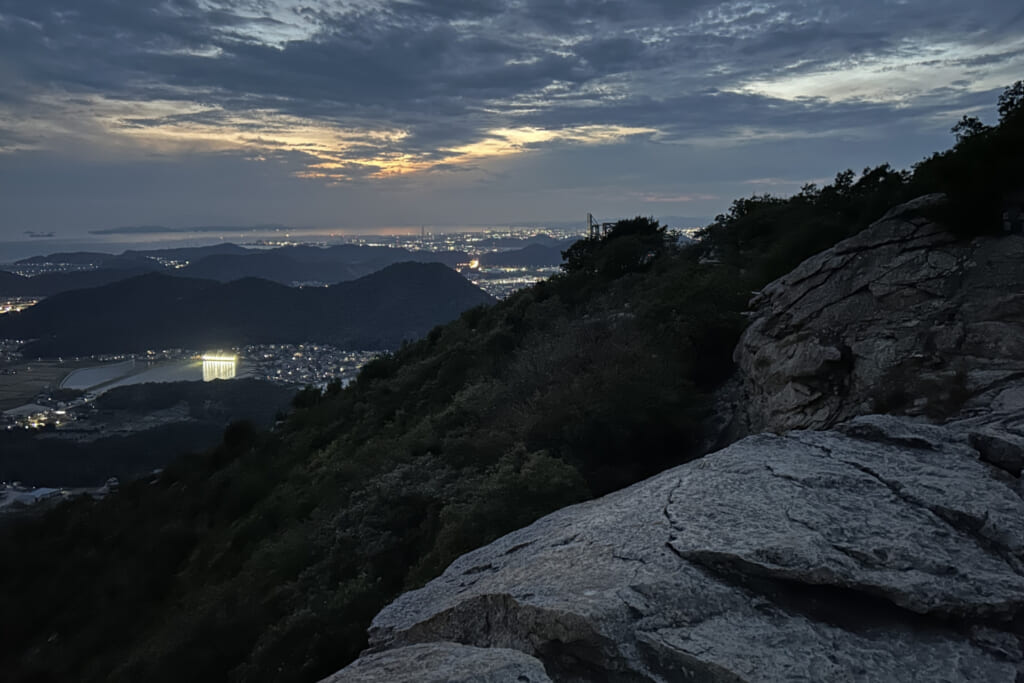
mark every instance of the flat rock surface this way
{"type": "Point", "coordinates": [885, 550]}
{"type": "Point", "coordinates": [443, 663]}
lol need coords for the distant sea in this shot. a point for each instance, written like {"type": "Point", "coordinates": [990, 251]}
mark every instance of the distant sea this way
{"type": "Point", "coordinates": [14, 250]}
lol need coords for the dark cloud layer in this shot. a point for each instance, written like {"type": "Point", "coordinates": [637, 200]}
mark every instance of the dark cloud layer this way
{"type": "Point", "coordinates": [416, 85]}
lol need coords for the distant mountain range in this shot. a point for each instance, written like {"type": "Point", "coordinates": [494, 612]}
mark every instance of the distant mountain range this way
{"type": "Point", "coordinates": [48, 284]}
{"type": "Point", "coordinates": [132, 258]}
{"type": "Point", "coordinates": [223, 262]}
{"type": "Point", "coordinates": [155, 310]}
{"type": "Point", "coordinates": [285, 265]}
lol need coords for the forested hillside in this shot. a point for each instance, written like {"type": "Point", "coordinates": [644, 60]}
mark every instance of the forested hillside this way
{"type": "Point", "coordinates": [265, 558]}
{"type": "Point", "coordinates": [400, 301]}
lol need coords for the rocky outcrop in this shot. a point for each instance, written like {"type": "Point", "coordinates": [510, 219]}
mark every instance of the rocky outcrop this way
{"type": "Point", "coordinates": [884, 550]}
{"type": "Point", "coordinates": [443, 663]}
{"type": "Point", "coordinates": [900, 318]}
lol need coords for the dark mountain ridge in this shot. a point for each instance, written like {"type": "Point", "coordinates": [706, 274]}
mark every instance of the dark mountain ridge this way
{"type": "Point", "coordinates": [77, 258]}
{"type": "Point", "coordinates": [101, 259]}
{"type": "Point", "coordinates": [304, 263]}
{"type": "Point", "coordinates": [187, 253]}
{"type": "Point", "coordinates": [269, 265]}
{"type": "Point", "coordinates": [400, 302]}
{"type": "Point", "coordinates": [222, 262]}
{"type": "Point", "coordinates": [48, 284]}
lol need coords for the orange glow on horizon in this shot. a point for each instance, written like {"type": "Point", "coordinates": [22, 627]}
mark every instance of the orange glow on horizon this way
{"type": "Point", "coordinates": [332, 153]}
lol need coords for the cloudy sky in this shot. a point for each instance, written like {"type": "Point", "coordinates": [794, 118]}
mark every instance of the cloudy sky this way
{"type": "Point", "coordinates": [360, 113]}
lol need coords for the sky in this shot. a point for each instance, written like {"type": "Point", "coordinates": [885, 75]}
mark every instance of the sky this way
{"type": "Point", "coordinates": [348, 114]}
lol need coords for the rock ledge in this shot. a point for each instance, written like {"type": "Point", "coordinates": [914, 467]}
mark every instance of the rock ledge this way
{"type": "Point", "coordinates": [884, 550]}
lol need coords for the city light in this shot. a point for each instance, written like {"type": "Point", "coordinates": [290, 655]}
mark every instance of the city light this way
{"type": "Point", "coordinates": [218, 366]}
{"type": "Point", "coordinates": [219, 358]}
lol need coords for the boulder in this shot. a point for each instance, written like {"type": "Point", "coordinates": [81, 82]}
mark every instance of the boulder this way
{"type": "Point", "coordinates": [443, 663]}
{"type": "Point", "coordinates": [901, 318]}
{"type": "Point", "coordinates": [886, 549]}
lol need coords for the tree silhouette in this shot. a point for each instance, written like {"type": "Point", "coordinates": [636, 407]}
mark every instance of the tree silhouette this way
{"type": "Point", "coordinates": [967, 127]}
{"type": "Point", "coordinates": [1011, 101]}
{"type": "Point", "coordinates": [629, 245]}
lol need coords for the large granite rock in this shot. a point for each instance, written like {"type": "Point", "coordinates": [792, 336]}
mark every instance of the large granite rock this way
{"type": "Point", "coordinates": [900, 318]}
{"type": "Point", "coordinates": [443, 663]}
{"type": "Point", "coordinates": [886, 550]}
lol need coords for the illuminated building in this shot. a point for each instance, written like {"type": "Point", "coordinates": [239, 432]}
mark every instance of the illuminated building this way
{"type": "Point", "coordinates": [219, 366]}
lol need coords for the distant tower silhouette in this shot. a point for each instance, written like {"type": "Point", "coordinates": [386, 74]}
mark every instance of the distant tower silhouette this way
{"type": "Point", "coordinates": [597, 230]}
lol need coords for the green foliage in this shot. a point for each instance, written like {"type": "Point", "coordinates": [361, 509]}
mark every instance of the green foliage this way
{"type": "Point", "coordinates": [765, 236]}
{"type": "Point", "coordinates": [968, 126]}
{"type": "Point", "coordinates": [1011, 101]}
{"type": "Point", "coordinates": [307, 397]}
{"type": "Point", "coordinates": [629, 246]}
{"type": "Point", "coordinates": [982, 171]}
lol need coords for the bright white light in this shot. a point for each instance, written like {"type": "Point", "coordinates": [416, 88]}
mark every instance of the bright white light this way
{"type": "Point", "coordinates": [218, 367]}
{"type": "Point", "coordinates": [214, 358]}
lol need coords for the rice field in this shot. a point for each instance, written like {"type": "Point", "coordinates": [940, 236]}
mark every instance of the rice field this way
{"type": "Point", "coordinates": [21, 382]}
